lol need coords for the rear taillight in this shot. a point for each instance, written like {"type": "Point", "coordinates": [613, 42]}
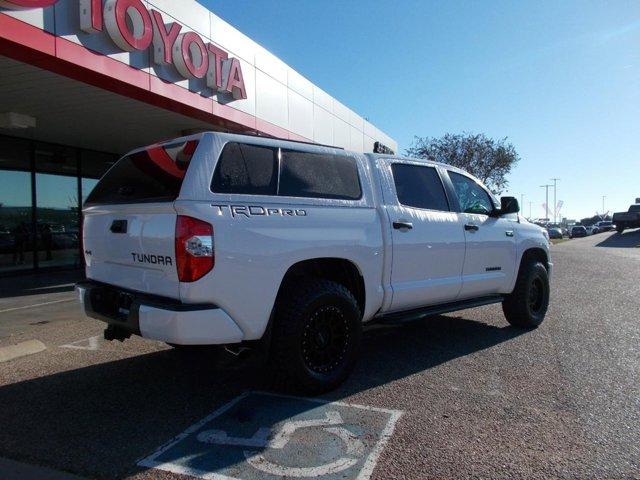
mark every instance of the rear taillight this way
{"type": "Point", "coordinates": [194, 248]}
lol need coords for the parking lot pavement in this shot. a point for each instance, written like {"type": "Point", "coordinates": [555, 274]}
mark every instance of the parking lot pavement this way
{"type": "Point", "coordinates": [455, 396]}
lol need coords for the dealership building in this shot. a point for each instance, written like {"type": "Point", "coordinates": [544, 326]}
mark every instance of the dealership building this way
{"type": "Point", "coordinates": [83, 81]}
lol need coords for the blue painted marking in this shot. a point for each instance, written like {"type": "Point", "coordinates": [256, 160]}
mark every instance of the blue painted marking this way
{"type": "Point", "coordinates": [266, 436]}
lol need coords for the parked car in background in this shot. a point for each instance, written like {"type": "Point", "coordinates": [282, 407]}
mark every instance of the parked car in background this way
{"type": "Point", "coordinates": [578, 231]}
{"type": "Point", "coordinates": [629, 219]}
{"type": "Point", "coordinates": [605, 226]}
{"type": "Point", "coordinates": [591, 229]}
{"type": "Point", "coordinates": [554, 233]}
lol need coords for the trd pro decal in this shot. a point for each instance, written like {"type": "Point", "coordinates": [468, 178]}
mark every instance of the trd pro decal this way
{"type": "Point", "coordinates": [259, 211]}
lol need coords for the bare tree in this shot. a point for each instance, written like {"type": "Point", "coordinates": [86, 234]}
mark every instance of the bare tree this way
{"type": "Point", "coordinates": [488, 159]}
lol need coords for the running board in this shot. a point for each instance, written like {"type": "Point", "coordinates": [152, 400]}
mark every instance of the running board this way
{"type": "Point", "coordinates": [418, 313]}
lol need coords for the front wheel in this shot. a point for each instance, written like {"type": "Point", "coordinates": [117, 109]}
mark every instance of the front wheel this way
{"type": "Point", "coordinates": [527, 305]}
{"type": "Point", "coordinates": [619, 228]}
{"type": "Point", "coordinates": [316, 336]}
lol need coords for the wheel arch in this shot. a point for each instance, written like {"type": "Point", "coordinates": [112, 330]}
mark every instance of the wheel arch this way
{"type": "Point", "coordinates": [336, 269]}
{"type": "Point", "coordinates": [534, 253]}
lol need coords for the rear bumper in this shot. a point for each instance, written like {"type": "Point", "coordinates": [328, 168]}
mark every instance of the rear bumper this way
{"type": "Point", "coordinates": [158, 318]}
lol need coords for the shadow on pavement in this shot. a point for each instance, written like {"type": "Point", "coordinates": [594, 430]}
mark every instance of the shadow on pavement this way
{"type": "Point", "coordinates": [628, 239]}
{"type": "Point", "coordinates": [39, 283]}
{"type": "Point", "coordinates": [99, 420]}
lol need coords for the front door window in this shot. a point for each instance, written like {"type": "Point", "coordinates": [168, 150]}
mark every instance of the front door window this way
{"type": "Point", "coordinates": [473, 198]}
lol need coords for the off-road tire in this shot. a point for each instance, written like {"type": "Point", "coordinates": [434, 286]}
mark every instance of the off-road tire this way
{"type": "Point", "coordinates": [527, 305]}
{"type": "Point", "coordinates": [299, 331]}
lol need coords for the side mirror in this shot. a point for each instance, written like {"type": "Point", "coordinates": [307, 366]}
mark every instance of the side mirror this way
{"type": "Point", "coordinates": [508, 205]}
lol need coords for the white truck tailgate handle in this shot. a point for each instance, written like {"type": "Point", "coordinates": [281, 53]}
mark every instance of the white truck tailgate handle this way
{"type": "Point", "coordinates": [118, 226]}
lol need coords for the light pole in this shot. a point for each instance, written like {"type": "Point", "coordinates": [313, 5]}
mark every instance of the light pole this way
{"type": "Point", "coordinates": [546, 205]}
{"type": "Point", "coordinates": [522, 200]}
{"type": "Point", "coordinates": [555, 199]}
{"type": "Point", "coordinates": [603, 212]}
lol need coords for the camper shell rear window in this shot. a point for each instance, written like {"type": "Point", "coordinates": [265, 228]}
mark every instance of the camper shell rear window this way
{"type": "Point", "coordinates": [154, 174]}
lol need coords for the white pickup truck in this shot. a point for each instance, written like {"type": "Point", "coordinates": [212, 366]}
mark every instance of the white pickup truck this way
{"type": "Point", "coordinates": [221, 239]}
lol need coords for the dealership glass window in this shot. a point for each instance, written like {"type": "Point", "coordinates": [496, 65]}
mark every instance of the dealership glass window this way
{"type": "Point", "coordinates": [419, 187]}
{"type": "Point", "coordinates": [14, 154]}
{"type": "Point", "coordinates": [57, 221]}
{"type": "Point", "coordinates": [16, 247]}
{"type": "Point", "coordinates": [57, 209]}
{"type": "Point", "coordinates": [55, 159]}
{"type": "Point", "coordinates": [51, 237]}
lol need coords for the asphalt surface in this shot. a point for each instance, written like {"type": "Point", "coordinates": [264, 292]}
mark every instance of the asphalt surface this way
{"type": "Point", "coordinates": [480, 399]}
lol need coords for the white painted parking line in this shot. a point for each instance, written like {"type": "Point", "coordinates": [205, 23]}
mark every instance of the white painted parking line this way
{"type": "Point", "coordinates": [261, 435]}
{"type": "Point", "coordinates": [91, 343]}
{"type": "Point", "coordinates": [36, 305]}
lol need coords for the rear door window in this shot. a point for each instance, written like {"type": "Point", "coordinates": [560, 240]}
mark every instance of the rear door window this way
{"type": "Point", "coordinates": [419, 187]}
{"type": "Point", "coordinates": [319, 175]}
{"type": "Point", "coordinates": [246, 169]}
{"type": "Point", "coordinates": [151, 175]}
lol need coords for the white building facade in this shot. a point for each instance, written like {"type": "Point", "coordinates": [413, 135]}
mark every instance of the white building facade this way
{"type": "Point", "coordinates": [83, 81]}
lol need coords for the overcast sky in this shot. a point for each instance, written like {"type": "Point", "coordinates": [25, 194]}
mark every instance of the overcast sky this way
{"type": "Point", "coordinates": [561, 80]}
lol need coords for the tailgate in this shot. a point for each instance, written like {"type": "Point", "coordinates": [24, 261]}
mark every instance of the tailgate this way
{"type": "Point", "coordinates": [132, 246]}
{"type": "Point", "coordinates": [130, 221]}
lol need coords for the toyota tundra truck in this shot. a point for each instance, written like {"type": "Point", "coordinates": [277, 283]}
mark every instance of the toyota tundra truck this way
{"type": "Point", "coordinates": [231, 240]}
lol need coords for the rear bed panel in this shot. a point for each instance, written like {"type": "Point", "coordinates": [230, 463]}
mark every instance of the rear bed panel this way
{"type": "Point", "coordinates": [142, 258]}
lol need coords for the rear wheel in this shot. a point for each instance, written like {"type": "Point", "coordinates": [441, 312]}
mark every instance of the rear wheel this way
{"type": "Point", "coordinates": [316, 336]}
{"type": "Point", "coordinates": [527, 305]}
{"type": "Point", "coordinates": [619, 228]}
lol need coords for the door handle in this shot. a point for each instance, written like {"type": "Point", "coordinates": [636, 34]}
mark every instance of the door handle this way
{"type": "Point", "coordinates": [400, 225]}
{"type": "Point", "coordinates": [469, 227]}
{"type": "Point", "coordinates": [509, 233]}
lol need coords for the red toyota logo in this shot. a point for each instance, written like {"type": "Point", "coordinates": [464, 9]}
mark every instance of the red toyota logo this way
{"type": "Point", "coordinates": [27, 3]}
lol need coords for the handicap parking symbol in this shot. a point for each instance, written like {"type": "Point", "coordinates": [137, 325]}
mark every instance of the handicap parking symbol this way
{"type": "Point", "coordinates": [267, 436]}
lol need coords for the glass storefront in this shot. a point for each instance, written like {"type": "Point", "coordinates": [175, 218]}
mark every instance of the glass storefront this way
{"type": "Point", "coordinates": [42, 187]}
